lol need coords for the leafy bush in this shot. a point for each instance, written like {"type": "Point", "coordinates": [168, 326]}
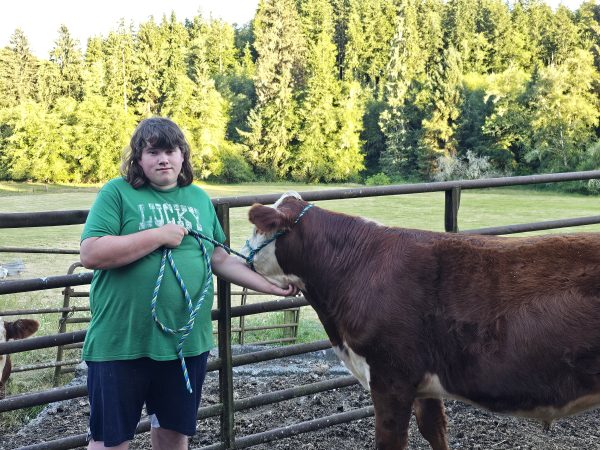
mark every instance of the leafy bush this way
{"type": "Point", "coordinates": [378, 179]}
{"type": "Point", "coordinates": [234, 167]}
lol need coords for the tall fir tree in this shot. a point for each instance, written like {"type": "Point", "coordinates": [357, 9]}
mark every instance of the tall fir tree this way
{"type": "Point", "coordinates": [280, 68]}
{"type": "Point", "coordinates": [18, 69]}
{"type": "Point", "coordinates": [118, 62]}
{"type": "Point", "coordinates": [221, 50]}
{"type": "Point", "coordinates": [403, 68]}
{"type": "Point", "coordinates": [588, 23]}
{"type": "Point", "coordinates": [67, 57]}
{"type": "Point", "coordinates": [461, 33]}
{"type": "Point", "coordinates": [174, 85]}
{"type": "Point", "coordinates": [493, 25]}
{"type": "Point", "coordinates": [204, 111]}
{"type": "Point", "coordinates": [341, 16]}
{"type": "Point", "coordinates": [371, 27]}
{"type": "Point", "coordinates": [320, 155]}
{"type": "Point", "coordinates": [93, 76]}
{"type": "Point", "coordinates": [148, 62]}
{"type": "Point", "coordinates": [442, 114]}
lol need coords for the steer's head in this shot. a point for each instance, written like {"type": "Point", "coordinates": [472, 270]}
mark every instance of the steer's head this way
{"type": "Point", "coordinates": [271, 223]}
{"type": "Point", "coordinates": [19, 329]}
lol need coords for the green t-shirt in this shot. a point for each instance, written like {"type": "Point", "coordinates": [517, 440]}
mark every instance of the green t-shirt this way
{"type": "Point", "coordinates": [122, 326]}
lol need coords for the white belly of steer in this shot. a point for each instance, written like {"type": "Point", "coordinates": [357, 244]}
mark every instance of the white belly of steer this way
{"type": "Point", "coordinates": [431, 387]}
{"type": "Point", "coordinates": [356, 364]}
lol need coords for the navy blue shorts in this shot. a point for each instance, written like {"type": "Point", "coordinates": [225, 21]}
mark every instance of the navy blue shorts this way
{"type": "Point", "coordinates": [118, 390]}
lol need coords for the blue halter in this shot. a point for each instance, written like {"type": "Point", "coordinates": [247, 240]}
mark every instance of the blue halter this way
{"type": "Point", "coordinates": [253, 251]}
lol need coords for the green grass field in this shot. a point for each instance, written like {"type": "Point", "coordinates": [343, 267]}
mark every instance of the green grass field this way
{"type": "Point", "coordinates": [479, 208]}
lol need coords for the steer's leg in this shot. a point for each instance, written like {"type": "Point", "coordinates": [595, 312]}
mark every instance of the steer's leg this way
{"type": "Point", "coordinates": [393, 408]}
{"type": "Point", "coordinates": [432, 423]}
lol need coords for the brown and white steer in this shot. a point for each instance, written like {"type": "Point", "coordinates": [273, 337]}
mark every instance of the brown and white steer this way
{"type": "Point", "coordinates": [508, 324]}
{"type": "Point", "coordinates": [19, 329]}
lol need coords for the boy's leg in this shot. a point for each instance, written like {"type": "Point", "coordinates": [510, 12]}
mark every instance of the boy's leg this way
{"type": "Point", "coordinates": [163, 439]}
{"type": "Point", "coordinates": [116, 390]}
{"type": "Point", "coordinates": [93, 445]}
{"type": "Point", "coordinates": [171, 407]}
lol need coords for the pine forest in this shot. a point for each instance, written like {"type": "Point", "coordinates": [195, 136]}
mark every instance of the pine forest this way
{"type": "Point", "coordinates": [317, 91]}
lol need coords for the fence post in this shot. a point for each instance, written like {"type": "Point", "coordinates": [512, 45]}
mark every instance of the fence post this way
{"type": "Point", "coordinates": [224, 338]}
{"type": "Point", "coordinates": [62, 323]}
{"type": "Point", "coordinates": [451, 209]}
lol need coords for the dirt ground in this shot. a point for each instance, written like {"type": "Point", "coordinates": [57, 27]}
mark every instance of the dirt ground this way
{"type": "Point", "coordinates": [469, 428]}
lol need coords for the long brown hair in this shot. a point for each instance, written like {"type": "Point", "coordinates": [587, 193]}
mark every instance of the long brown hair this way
{"type": "Point", "coordinates": [161, 133]}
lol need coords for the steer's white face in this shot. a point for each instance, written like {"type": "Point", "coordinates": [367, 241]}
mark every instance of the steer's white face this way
{"type": "Point", "coordinates": [265, 261]}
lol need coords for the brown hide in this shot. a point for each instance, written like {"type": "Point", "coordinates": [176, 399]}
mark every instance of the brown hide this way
{"type": "Point", "coordinates": [19, 329]}
{"type": "Point", "coordinates": [508, 324]}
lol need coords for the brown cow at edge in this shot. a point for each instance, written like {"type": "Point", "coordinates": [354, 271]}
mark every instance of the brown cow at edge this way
{"type": "Point", "coordinates": [507, 324]}
{"type": "Point", "coordinates": [19, 329]}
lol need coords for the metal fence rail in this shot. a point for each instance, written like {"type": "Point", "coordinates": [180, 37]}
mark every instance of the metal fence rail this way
{"type": "Point", "coordinates": [225, 312]}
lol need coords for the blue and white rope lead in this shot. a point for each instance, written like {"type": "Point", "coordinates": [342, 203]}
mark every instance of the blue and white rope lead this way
{"type": "Point", "coordinates": [192, 309]}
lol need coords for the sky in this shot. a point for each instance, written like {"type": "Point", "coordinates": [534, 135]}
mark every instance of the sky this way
{"type": "Point", "coordinates": [40, 19]}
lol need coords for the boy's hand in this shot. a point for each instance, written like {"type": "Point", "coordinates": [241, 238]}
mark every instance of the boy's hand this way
{"type": "Point", "coordinates": [171, 235]}
{"type": "Point", "coordinates": [291, 291]}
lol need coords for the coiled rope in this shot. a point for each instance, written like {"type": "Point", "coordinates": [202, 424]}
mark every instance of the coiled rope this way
{"type": "Point", "coordinates": [192, 309]}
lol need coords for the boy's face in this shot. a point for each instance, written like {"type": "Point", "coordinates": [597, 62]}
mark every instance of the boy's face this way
{"type": "Point", "coordinates": [161, 166]}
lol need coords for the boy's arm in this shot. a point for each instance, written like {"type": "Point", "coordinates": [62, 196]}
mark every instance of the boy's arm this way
{"type": "Point", "coordinates": [235, 270]}
{"type": "Point", "coordinates": [110, 252]}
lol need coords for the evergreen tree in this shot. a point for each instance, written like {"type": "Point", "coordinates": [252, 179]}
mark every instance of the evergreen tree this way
{"type": "Point", "coordinates": [354, 43]}
{"type": "Point", "coordinates": [587, 19]}
{"type": "Point", "coordinates": [174, 85]}
{"type": "Point", "coordinates": [148, 62]}
{"type": "Point", "coordinates": [320, 155]}
{"type": "Point", "coordinates": [341, 15]}
{"type": "Point", "coordinates": [273, 122]}
{"type": "Point", "coordinates": [371, 27]}
{"type": "Point", "coordinates": [206, 112]}
{"type": "Point", "coordinates": [37, 147]}
{"type": "Point", "coordinates": [7, 97]}
{"type": "Point", "coordinates": [48, 82]}
{"type": "Point", "coordinates": [442, 114]}
{"type": "Point", "coordinates": [525, 52]}
{"type": "Point", "coordinates": [67, 57]}
{"type": "Point", "coordinates": [117, 53]}
{"type": "Point", "coordinates": [238, 89]}
{"type": "Point", "coordinates": [494, 28]}
{"type": "Point", "coordinates": [17, 71]}
{"type": "Point", "coordinates": [430, 14]}
{"type": "Point", "coordinates": [403, 69]}
{"type": "Point", "coordinates": [221, 50]}
{"type": "Point", "coordinates": [539, 30]}
{"type": "Point", "coordinates": [560, 36]}
{"type": "Point", "coordinates": [460, 33]}
{"type": "Point", "coordinates": [93, 75]}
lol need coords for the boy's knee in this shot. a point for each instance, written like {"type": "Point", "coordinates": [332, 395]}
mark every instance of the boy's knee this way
{"type": "Point", "coordinates": [98, 445]}
{"type": "Point", "coordinates": [165, 439]}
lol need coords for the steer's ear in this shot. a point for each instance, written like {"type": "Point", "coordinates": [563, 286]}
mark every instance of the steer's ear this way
{"type": "Point", "coordinates": [267, 219]}
{"type": "Point", "coordinates": [20, 329]}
